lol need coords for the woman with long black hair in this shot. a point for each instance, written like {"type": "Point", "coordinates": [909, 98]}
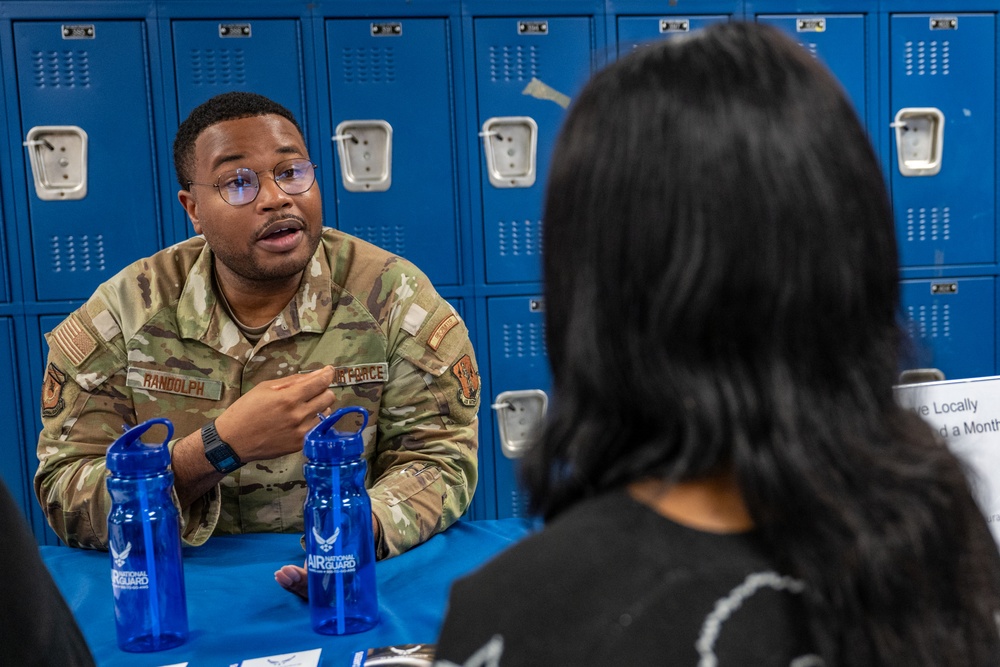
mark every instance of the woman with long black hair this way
{"type": "Point", "coordinates": [725, 476]}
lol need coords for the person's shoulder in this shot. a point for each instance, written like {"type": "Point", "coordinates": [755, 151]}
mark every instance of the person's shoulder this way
{"type": "Point", "coordinates": [559, 545]}
{"type": "Point", "coordinates": [160, 275]}
{"type": "Point", "coordinates": [147, 285]}
{"type": "Point", "coordinates": [354, 260]}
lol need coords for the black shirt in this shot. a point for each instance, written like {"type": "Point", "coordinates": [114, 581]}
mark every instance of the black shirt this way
{"type": "Point", "coordinates": [611, 582]}
{"type": "Point", "coordinates": [36, 625]}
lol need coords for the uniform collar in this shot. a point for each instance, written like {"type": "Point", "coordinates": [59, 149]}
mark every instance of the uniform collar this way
{"type": "Point", "coordinates": [201, 316]}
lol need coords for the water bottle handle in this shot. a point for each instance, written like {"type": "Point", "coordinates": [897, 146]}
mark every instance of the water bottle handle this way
{"type": "Point", "coordinates": [134, 434]}
{"type": "Point", "coordinates": [326, 425]}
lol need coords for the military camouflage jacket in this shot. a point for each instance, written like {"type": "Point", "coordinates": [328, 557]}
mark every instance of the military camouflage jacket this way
{"type": "Point", "coordinates": [154, 341]}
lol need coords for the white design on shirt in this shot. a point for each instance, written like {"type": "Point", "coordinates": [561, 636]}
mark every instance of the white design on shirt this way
{"type": "Point", "coordinates": [727, 606]}
{"type": "Point", "coordinates": [487, 656]}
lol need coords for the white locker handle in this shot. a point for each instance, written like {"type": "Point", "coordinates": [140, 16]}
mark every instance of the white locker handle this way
{"type": "Point", "coordinates": [365, 151]}
{"type": "Point", "coordinates": [919, 140]}
{"type": "Point", "coordinates": [510, 144]}
{"type": "Point", "coordinates": [58, 156]}
{"type": "Point", "coordinates": [519, 416]}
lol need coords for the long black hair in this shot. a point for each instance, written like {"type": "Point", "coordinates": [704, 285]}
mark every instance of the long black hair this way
{"type": "Point", "coordinates": [721, 296]}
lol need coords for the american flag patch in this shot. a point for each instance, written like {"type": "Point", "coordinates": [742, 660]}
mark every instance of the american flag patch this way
{"type": "Point", "coordinates": [75, 342]}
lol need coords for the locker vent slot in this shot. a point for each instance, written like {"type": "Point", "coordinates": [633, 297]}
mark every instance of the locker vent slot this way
{"type": "Point", "coordinates": [218, 67]}
{"type": "Point", "coordinates": [927, 58]}
{"type": "Point", "coordinates": [933, 321]}
{"type": "Point", "coordinates": [78, 253]}
{"type": "Point", "coordinates": [523, 340]}
{"type": "Point", "coordinates": [514, 63]}
{"type": "Point", "coordinates": [376, 64]}
{"type": "Point", "coordinates": [61, 69]}
{"type": "Point", "coordinates": [387, 237]}
{"type": "Point", "coordinates": [812, 48]}
{"type": "Point", "coordinates": [519, 504]}
{"type": "Point", "coordinates": [923, 224]}
{"type": "Point", "coordinates": [519, 237]}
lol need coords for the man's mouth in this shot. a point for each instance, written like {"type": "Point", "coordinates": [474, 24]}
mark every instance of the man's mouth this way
{"type": "Point", "coordinates": [281, 236]}
{"type": "Point", "coordinates": [279, 233]}
{"type": "Point", "coordinates": [280, 229]}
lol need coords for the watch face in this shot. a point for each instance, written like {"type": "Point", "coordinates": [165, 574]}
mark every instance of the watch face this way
{"type": "Point", "coordinates": [223, 458]}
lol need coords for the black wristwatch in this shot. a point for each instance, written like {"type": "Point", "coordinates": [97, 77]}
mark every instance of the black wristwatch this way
{"type": "Point", "coordinates": [219, 453]}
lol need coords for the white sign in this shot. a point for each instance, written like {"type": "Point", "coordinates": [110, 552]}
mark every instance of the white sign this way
{"type": "Point", "coordinates": [966, 416]}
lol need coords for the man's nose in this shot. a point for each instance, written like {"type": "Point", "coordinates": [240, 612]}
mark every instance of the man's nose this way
{"type": "Point", "coordinates": [271, 196]}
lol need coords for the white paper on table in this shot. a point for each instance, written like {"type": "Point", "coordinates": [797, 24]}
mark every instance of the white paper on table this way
{"type": "Point", "coordinates": [298, 659]}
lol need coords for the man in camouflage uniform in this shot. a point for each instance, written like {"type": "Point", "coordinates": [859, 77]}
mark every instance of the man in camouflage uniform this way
{"type": "Point", "coordinates": [252, 329]}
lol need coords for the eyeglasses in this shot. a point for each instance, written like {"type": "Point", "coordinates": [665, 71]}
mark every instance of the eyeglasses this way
{"type": "Point", "coordinates": [240, 186]}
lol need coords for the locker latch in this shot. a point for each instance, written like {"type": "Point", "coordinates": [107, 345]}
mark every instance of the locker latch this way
{"type": "Point", "coordinates": [365, 150]}
{"type": "Point", "coordinates": [519, 417]}
{"type": "Point", "coordinates": [510, 144]}
{"type": "Point", "coordinates": [58, 155]}
{"type": "Point", "coordinates": [919, 140]}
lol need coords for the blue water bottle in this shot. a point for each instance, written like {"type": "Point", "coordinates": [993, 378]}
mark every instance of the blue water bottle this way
{"type": "Point", "coordinates": [340, 546]}
{"type": "Point", "coordinates": [147, 575]}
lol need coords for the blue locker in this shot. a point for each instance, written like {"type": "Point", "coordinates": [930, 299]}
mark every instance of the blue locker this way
{"type": "Point", "coordinates": [839, 42]}
{"type": "Point", "coordinates": [951, 323]}
{"type": "Point", "coordinates": [633, 31]}
{"type": "Point", "coordinates": [12, 463]}
{"type": "Point", "coordinates": [5, 295]}
{"type": "Point", "coordinates": [944, 64]}
{"type": "Point", "coordinates": [528, 67]}
{"type": "Point", "coordinates": [5, 236]}
{"type": "Point", "coordinates": [517, 360]}
{"type": "Point", "coordinates": [393, 77]}
{"type": "Point", "coordinates": [217, 56]}
{"type": "Point", "coordinates": [73, 75]}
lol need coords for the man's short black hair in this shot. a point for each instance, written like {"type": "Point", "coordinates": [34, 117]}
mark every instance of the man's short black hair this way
{"type": "Point", "coordinates": [225, 106]}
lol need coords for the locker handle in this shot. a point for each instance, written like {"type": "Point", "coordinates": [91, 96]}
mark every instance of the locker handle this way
{"type": "Point", "coordinates": [519, 416]}
{"type": "Point", "coordinates": [919, 375]}
{"type": "Point", "coordinates": [58, 158]}
{"type": "Point", "coordinates": [919, 140]}
{"type": "Point", "coordinates": [510, 145]}
{"type": "Point", "coordinates": [365, 151]}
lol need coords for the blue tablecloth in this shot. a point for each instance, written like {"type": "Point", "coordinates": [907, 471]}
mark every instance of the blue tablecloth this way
{"type": "Point", "coordinates": [237, 611]}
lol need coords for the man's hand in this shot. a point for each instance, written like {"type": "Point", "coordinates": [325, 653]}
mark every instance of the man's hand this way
{"type": "Point", "coordinates": [293, 578]}
{"type": "Point", "coordinates": [273, 418]}
{"type": "Point", "coordinates": [269, 421]}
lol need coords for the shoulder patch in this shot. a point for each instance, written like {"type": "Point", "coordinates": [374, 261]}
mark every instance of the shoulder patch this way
{"type": "Point", "coordinates": [468, 379]}
{"type": "Point", "coordinates": [106, 325]}
{"type": "Point", "coordinates": [74, 340]}
{"type": "Point", "coordinates": [52, 400]}
{"type": "Point", "coordinates": [441, 330]}
{"type": "Point", "coordinates": [414, 319]}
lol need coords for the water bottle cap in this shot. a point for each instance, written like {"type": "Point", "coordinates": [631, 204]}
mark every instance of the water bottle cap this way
{"type": "Point", "coordinates": [325, 444]}
{"type": "Point", "coordinates": [131, 456]}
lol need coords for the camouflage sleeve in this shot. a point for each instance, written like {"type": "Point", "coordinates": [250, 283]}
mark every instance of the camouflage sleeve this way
{"type": "Point", "coordinates": [86, 405]}
{"type": "Point", "coordinates": [426, 464]}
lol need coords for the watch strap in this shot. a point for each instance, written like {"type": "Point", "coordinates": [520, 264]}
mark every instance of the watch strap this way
{"type": "Point", "coordinates": [218, 452]}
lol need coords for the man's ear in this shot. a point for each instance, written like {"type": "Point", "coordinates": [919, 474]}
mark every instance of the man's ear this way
{"type": "Point", "coordinates": [190, 207]}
